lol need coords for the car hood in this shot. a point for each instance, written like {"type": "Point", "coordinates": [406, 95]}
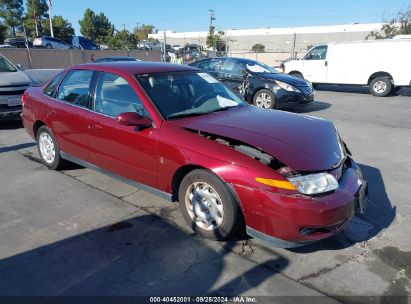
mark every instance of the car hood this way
{"type": "Point", "coordinates": [13, 79]}
{"type": "Point", "coordinates": [294, 81]}
{"type": "Point", "coordinates": [302, 142]}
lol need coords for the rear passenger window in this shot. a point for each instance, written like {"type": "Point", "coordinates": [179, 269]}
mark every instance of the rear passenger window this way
{"type": "Point", "coordinates": [75, 87]}
{"type": "Point", "coordinates": [114, 95]}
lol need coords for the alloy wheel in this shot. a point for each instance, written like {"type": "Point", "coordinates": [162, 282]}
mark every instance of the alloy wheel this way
{"type": "Point", "coordinates": [263, 100]}
{"type": "Point", "coordinates": [47, 148]}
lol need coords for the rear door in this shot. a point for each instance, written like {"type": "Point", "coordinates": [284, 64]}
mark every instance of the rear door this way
{"type": "Point", "coordinates": [316, 65]}
{"type": "Point", "coordinates": [67, 113]}
{"type": "Point", "coordinates": [125, 150]}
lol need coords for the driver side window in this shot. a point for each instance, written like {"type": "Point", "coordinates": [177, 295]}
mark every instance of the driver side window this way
{"type": "Point", "coordinates": [317, 53]}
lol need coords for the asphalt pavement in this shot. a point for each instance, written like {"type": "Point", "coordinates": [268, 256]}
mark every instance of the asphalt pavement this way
{"type": "Point", "coordinates": [77, 232]}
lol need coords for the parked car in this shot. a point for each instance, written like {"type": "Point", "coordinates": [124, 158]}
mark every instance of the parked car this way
{"type": "Point", "coordinates": [382, 65]}
{"type": "Point", "coordinates": [6, 46]}
{"type": "Point", "coordinates": [178, 132]}
{"type": "Point", "coordinates": [115, 59]}
{"type": "Point", "coordinates": [50, 43]}
{"type": "Point", "coordinates": [258, 83]}
{"type": "Point", "coordinates": [83, 43]}
{"type": "Point", "coordinates": [13, 82]}
{"type": "Point", "coordinates": [18, 42]}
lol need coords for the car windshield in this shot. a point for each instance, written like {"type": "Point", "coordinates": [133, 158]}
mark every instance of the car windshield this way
{"type": "Point", "coordinates": [183, 94]}
{"type": "Point", "coordinates": [258, 67]}
{"type": "Point", "coordinates": [6, 66]}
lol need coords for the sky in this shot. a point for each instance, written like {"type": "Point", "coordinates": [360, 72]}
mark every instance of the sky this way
{"type": "Point", "coordinates": [193, 15]}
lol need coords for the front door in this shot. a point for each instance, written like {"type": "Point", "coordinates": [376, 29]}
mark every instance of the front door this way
{"type": "Point", "coordinates": [232, 75]}
{"type": "Point", "coordinates": [125, 150]}
{"type": "Point", "coordinates": [316, 65]}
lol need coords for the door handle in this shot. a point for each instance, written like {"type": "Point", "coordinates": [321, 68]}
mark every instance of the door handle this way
{"type": "Point", "coordinates": [326, 63]}
{"type": "Point", "coordinates": [97, 127]}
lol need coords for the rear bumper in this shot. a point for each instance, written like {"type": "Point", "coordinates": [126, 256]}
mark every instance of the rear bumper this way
{"type": "Point", "coordinates": [294, 220]}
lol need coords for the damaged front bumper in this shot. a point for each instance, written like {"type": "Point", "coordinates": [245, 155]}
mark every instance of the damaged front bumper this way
{"type": "Point", "coordinates": [294, 220]}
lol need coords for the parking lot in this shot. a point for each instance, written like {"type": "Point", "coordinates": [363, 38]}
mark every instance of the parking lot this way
{"type": "Point", "coordinates": [77, 232]}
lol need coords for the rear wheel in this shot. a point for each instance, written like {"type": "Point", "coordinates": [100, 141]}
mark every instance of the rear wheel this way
{"type": "Point", "coordinates": [208, 206]}
{"type": "Point", "coordinates": [264, 99]}
{"type": "Point", "coordinates": [48, 149]}
{"type": "Point", "coordinates": [48, 46]}
{"type": "Point", "coordinates": [381, 86]}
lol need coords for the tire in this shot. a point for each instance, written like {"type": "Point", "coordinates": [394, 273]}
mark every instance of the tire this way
{"type": "Point", "coordinates": [297, 75]}
{"type": "Point", "coordinates": [49, 150]}
{"type": "Point", "coordinates": [217, 218]}
{"type": "Point", "coordinates": [381, 86]}
{"type": "Point", "coordinates": [48, 46]}
{"type": "Point", "coordinates": [264, 99]}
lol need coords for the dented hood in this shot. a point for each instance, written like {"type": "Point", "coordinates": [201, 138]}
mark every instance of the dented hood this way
{"type": "Point", "coordinates": [301, 142]}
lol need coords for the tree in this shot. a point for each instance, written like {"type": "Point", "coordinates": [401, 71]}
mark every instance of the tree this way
{"type": "Point", "coordinates": [12, 12]}
{"type": "Point", "coordinates": [141, 33]}
{"type": "Point", "coordinates": [122, 40]}
{"type": "Point", "coordinates": [216, 40]}
{"type": "Point", "coordinates": [96, 27]}
{"type": "Point", "coordinates": [258, 47]}
{"type": "Point", "coordinates": [62, 28]}
{"type": "Point", "coordinates": [399, 25]}
{"type": "Point", "coordinates": [3, 32]}
{"type": "Point", "coordinates": [37, 12]}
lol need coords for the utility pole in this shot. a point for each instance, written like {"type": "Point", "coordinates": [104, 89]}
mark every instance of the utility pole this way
{"type": "Point", "coordinates": [165, 47]}
{"type": "Point", "coordinates": [51, 23]}
{"type": "Point", "coordinates": [293, 51]}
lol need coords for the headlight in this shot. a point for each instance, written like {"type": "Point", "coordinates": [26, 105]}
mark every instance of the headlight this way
{"type": "Point", "coordinates": [287, 86]}
{"type": "Point", "coordinates": [314, 183]}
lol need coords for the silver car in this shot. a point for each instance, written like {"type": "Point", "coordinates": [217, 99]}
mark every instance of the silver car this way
{"type": "Point", "coordinates": [50, 43]}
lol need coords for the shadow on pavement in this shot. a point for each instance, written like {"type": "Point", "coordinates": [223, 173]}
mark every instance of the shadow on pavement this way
{"type": "Point", "coordinates": [315, 106]}
{"type": "Point", "coordinates": [359, 89]}
{"type": "Point", "coordinates": [11, 125]}
{"type": "Point", "coordinates": [141, 256]}
{"type": "Point", "coordinates": [378, 216]}
{"type": "Point", "coordinates": [16, 147]}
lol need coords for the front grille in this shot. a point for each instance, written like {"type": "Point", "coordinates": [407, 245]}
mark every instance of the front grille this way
{"type": "Point", "coordinates": [20, 92]}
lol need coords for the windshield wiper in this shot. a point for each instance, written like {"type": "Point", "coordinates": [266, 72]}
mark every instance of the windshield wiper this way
{"type": "Point", "coordinates": [178, 115]}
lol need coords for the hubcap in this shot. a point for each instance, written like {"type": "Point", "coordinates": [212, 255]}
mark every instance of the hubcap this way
{"type": "Point", "coordinates": [380, 86]}
{"type": "Point", "coordinates": [263, 100]}
{"type": "Point", "coordinates": [204, 206]}
{"type": "Point", "coordinates": [47, 149]}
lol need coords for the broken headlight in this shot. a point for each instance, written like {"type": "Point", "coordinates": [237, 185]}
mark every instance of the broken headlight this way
{"type": "Point", "coordinates": [314, 183]}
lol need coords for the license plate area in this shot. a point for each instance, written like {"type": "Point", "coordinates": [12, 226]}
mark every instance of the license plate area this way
{"type": "Point", "coordinates": [363, 197]}
{"type": "Point", "coordinates": [14, 101]}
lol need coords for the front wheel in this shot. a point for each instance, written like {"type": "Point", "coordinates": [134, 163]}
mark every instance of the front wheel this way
{"type": "Point", "coordinates": [208, 206]}
{"type": "Point", "coordinates": [264, 99]}
{"type": "Point", "coordinates": [48, 149]}
{"type": "Point", "coordinates": [381, 86]}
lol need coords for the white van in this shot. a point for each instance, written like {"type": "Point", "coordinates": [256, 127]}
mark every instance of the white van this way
{"type": "Point", "coordinates": [383, 65]}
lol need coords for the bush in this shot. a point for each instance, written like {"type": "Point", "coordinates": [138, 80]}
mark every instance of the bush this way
{"type": "Point", "coordinates": [258, 47]}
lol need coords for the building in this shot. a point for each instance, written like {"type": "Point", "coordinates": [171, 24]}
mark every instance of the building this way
{"type": "Point", "coordinates": [276, 40]}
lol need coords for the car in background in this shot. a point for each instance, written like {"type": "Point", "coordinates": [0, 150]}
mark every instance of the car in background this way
{"type": "Point", "coordinates": [18, 42]}
{"type": "Point", "coordinates": [115, 59]}
{"type": "Point", "coordinates": [13, 83]}
{"type": "Point", "coordinates": [83, 43]}
{"type": "Point", "coordinates": [259, 84]}
{"type": "Point", "coordinates": [288, 179]}
{"type": "Point", "coordinates": [50, 43]}
{"type": "Point", "coordinates": [6, 46]}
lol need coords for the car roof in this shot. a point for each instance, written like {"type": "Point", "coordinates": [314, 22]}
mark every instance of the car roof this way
{"type": "Point", "coordinates": [136, 67]}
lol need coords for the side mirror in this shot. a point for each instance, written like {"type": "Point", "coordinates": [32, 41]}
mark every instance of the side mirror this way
{"type": "Point", "coordinates": [133, 119]}
{"type": "Point", "coordinates": [20, 67]}
{"type": "Point", "coordinates": [308, 56]}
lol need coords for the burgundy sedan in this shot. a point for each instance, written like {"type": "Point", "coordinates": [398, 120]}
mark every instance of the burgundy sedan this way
{"type": "Point", "coordinates": [174, 130]}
